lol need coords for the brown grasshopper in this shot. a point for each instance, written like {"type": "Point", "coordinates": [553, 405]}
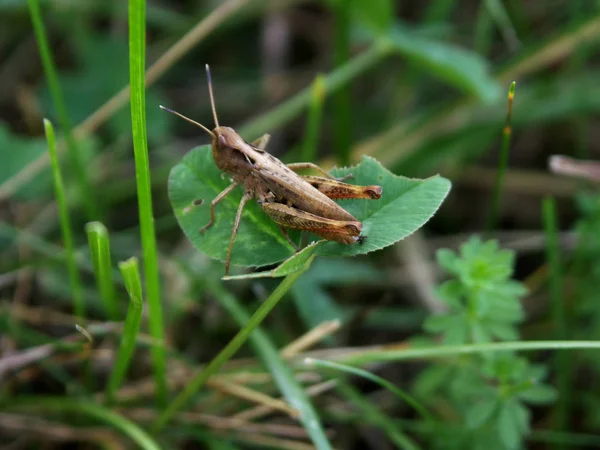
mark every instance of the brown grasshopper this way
{"type": "Point", "coordinates": [291, 200]}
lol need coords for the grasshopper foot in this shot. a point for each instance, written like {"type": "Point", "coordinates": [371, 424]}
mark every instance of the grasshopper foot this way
{"type": "Point", "coordinates": [361, 239]}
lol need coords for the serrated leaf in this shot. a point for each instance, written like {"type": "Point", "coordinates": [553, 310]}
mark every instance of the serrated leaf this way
{"type": "Point", "coordinates": [405, 206]}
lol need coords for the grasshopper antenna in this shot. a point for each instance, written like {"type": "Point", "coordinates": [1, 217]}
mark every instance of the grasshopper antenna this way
{"type": "Point", "coordinates": [188, 119]}
{"type": "Point", "coordinates": [212, 97]}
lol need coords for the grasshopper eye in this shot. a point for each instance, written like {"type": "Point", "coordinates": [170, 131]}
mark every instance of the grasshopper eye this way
{"type": "Point", "coordinates": [222, 140]}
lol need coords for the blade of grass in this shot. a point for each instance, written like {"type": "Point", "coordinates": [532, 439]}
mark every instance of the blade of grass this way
{"type": "Point", "coordinates": [559, 319]}
{"type": "Point", "coordinates": [404, 396]}
{"type": "Point", "coordinates": [133, 284]}
{"type": "Point", "coordinates": [503, 163]}
{"type": "Point", "coordinates": [293, 392]}
{"type": "Point", "coordinates": [498, 13]}
{"type": "Point", "coordinates": [90, 203]}
{"type": "Point", "coordinates": [87, 408]}
{"type": "Point", "coordinates": [313, 120]}
{"type": "Point", "coordinates": [224, 355]}
{"type": "Point", "coordinates": [483, 30]}
{"type": "Point", "coordinates": [337, 79]}
{"type": "Point", "coordinates": [65, 224]}
{"type": "Point", "coordinates": [99, 243]}
{"type": "Point", "coordinates": [370, 414]}
{"type": "Point", "coordinates": [341, 100]}
{"type": "Point", "coordinates": [137, 61]}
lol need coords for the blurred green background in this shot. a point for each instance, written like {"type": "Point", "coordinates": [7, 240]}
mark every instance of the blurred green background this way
{"type": "Point", "coordinates": [420, 86]}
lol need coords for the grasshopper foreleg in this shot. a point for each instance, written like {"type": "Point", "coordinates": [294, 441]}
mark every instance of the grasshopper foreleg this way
{"type": "Point", "coordinates": [236, 225]}
{"type": "Point", "coordinates": [214, 202]}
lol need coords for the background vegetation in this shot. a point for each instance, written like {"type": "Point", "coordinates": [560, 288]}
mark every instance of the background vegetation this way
{"type": "Point", "coordinates": [477, 331]}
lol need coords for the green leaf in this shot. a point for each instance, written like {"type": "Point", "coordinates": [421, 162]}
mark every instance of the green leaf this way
{"type": "Point", "coordinates": [512, 423]}
{"type": "Point", "coordinates": [451, 292]}
{"type": "Point", "coordinates": [297, 262]}
{"type": "Point", "coordinates": [446, 258]}
{"type": "Point", "coordinates": [539, 394]}
{"type": "Point", "coordinates": [464, 69]}
{"type": "Point", "coordinates": [405, 206]}
{"type": "Point", "coordinates": [479, 413]}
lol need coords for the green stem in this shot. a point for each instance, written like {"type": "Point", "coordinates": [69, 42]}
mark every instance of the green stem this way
{"type": "Point", "coordinates": [342, 129]}
{"type": "Point", "coordinates": [503, 163]}
{"type": "Point", "coordinates": [137, 58]}
{"type": "Point", "coordinates": [230, 349]}
{"type": "Point", "coordinates": [562, 361]}
{"type": "Point", "coordinates": [90, 203]}
{"type": "Point", "coordinates": [313, 120]}
{"type": "Point", "coordinates": [65, 224]}
{"type": "Point", "coordinates": [450, 351]}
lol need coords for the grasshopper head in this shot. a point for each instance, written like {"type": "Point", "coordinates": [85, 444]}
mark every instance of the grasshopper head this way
{"type": "Point", "coordinates": [226, 137]}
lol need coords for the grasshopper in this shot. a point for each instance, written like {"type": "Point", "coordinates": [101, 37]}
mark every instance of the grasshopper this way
{"type": "Point", "coordinates": [291, 200]}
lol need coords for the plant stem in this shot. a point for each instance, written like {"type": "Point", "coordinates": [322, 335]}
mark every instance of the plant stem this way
{"type": "Point", "coordinates": [342, 135]}
{"type": "Point", "coordinates": [133, 284]}
{"type": "Point", "coordinates": [562, 360]}
{"type": "Point", "coordinates": [65, 224]}
{"type": "Point", "coordinates": [503, 162]}
{"type": "Point", "coordinates": [313, 120]}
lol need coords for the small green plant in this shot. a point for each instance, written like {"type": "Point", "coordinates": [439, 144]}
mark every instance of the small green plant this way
{"type": "Point", "coordinates": [487, 392]}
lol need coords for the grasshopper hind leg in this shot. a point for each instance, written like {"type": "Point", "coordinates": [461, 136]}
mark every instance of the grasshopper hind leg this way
{"type": "Point", "coordinates": [308, 165]}
{"type": "Point", "coordinates": [344, 232]}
